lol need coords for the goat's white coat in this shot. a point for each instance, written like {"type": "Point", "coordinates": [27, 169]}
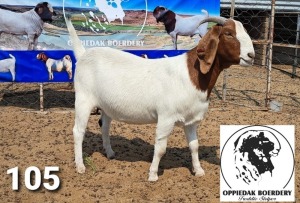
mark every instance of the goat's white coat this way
{"type": "Point", "coordinates": [8, 65]}
{"type": "Point", "coordinates": [28, 23]}
{"type": "Point", "coordinates": [58, 65]}
{"type": "Point", "coordinates": [247, 46]}
{"type": "Point", "coordinates": [136, 90]}
{"type": "Point", "coordinates": [189, 26]}
{"type": "Point", "coordinates": [133, 93]}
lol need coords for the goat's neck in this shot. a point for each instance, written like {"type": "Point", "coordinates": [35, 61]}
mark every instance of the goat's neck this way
{"type": "Point", "coordinates": [203, 82]}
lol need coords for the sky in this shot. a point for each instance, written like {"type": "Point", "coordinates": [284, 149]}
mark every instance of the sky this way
{"type": "Point", "coordinates": [178, 6]}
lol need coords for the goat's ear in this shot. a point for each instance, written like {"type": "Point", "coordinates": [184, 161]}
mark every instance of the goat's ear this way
{"type": "Point", "coordinates": [207, 49]}
{"type": "Point", "coordinates": [39, 10]}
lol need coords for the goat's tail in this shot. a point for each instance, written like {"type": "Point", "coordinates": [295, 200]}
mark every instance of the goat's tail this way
{"type": "Point", "coordinates": [11, 56]}
{"type": "Point", "coordinates": [76, 43]}
{"type": "Point", "coordinates": [205, 12]}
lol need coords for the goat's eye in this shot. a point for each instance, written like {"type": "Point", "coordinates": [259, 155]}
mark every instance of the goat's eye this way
{"type": "Point", "coordinates": [228, 34]}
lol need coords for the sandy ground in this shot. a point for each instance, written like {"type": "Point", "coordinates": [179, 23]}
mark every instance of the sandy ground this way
{"type": "Point", "coordinates": [31, 138]}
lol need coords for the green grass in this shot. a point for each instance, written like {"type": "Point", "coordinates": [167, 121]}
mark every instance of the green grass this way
{"type": "Point", "coordinates": [88, 161]}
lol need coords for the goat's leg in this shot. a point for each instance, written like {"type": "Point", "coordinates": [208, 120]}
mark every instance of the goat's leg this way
{"type": "Point", "coordinates": [192, 138]}
{"type": "Point", "coordinates": [174, 40]}
{"type": "Point", "coordinates": [70, 74]}
{"type": "Point", "coordinates": [31, 42]}
{"type": "Point", "coordinates": [49, 75]}
{"type": "Point", "coordinates": [162, 132]}
{"type": "Point", "coordinates": [13, 74]}
{"type": "Point", "coordinates": [105, 122]}
{"type": "Point", "coordinates": [82, 112]}
{"type": "Point", "coordinates": [35, 42]}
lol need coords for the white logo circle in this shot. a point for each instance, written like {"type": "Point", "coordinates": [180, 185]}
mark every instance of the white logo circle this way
{"type": "Point", "coordinates": [257, 157]}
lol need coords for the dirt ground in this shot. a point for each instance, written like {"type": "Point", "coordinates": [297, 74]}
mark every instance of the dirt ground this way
{"type": "Point", "coordinates": [31, 138]}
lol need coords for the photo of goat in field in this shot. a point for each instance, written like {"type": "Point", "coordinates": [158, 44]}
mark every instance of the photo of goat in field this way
{"type": "Point", "coordinates": [9, 65]}
{"type": "Point", "coordinates": [29, 23]}
{"type": "Point", "coordinates": [176, 25]}
{"type": "Point", "coordinates": [56, 65]}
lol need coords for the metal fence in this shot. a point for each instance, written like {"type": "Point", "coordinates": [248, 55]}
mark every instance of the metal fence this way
{"type": "Point", "coordinates": [37, 97]}
{"type": "Point", "coordinates": [274, 27]}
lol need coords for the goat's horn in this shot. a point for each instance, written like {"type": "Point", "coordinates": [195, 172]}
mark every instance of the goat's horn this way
{"type": "Point", "coordinates": [219, 20]}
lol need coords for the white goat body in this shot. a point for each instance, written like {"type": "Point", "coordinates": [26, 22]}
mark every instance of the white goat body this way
{"type": "Point", "coordinates": [133, 94]}
{"type": "Point", "coordinates": [189, 26]}
{"type": "Point", "coordinates": [135, 90]}
{"type": "Point", "coordinates": [27, 23]}
{"type": "Point", "coordinates": [8, 65]}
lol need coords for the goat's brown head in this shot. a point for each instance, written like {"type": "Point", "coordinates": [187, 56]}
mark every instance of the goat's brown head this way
{"type": "Point", "coordinates": [42, 56]}
{"type": "Point", "coordinates": [228, 41]}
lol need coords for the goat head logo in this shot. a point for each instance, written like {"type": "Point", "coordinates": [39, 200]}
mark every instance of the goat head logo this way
{"type": "Point", "coordinates": [256, 157]}
{"type": "Point", "coordinates": [253, 151]}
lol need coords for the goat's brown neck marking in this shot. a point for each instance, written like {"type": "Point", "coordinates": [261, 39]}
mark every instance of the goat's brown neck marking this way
{"type": "Point", "coordinates": [203, 82]}
{"type": "Point", "coordinates": [228, 52]}
{"type": "Point", "coordinates": [169, 20]}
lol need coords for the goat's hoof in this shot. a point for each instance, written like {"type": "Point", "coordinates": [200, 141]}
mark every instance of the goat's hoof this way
{"type": "Point", "coordinates": [110, 154]}
{"type": "Point", "coordinates": [153, 177]}
{"type": "Point", "coordinates": [80, 169]}
{"type": "Point", "coordinates": [199, 172]}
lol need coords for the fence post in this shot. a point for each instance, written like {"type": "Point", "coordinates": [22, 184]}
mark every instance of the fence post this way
{"type": "Point", "coordinates": [41, 97]}
{"type": "Point", "coordinates": [224, 87]}
{"type": "Point", "coordinates": [270, 54]}
{"type": "Point", "coordinates": [295, 65]}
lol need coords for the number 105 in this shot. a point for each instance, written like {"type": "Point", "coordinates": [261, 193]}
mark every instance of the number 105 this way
{"type": "Point", "coordinates": [37, 178]}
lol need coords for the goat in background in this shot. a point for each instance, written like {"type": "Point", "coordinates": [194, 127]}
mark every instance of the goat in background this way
{"type": "Point", "coordinates": [184, 26]}
{"type": "Point", "coordinates": [56, 65]}
{"type": "Point", "coordinates": [9, 65]}
{"type": "Point", "coordinates": [29, 23]}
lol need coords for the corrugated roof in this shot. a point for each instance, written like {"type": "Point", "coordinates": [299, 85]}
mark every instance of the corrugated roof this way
{"type": "Point", "coordinates": [288, 5]}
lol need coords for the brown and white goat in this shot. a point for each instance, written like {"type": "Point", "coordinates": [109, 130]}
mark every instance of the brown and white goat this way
{"type": "Point", "coordinates": [167, 91]}
{"type": "Point", "coordinates": [56, 65]}
{"type": "Point", "coordinates": [176, 25]}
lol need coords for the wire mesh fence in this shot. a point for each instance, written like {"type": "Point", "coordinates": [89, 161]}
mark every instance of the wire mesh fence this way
{"type": "Point", "coordinates": [28, 96]}
{"type": "Point", "coordinates": [274, 28]}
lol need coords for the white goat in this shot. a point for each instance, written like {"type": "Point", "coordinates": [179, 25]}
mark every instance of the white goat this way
{"type": "Point", "coordinates": [167, 91]}
{"type": "Point", "coordinates": [29, 23]}
{"type": "Point", "coordinates": [176, 25]}
{"type": "Point", "coordinates": [9, 65]}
